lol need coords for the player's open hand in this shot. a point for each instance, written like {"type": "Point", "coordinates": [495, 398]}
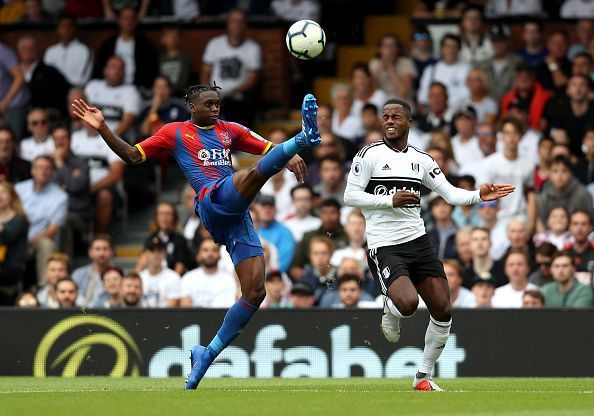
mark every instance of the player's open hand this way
{"type": "Point", "coordinates": [90, 115]}
{"type": "Point", "coordinates": [403, 198]}
{"type": "Point", "coordinates": [492, 191]}
{"type": "Point", "coordinates": [298, 167]}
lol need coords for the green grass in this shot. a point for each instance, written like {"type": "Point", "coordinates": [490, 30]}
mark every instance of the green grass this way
{"type": "Point", "coordinates": [262, 397]}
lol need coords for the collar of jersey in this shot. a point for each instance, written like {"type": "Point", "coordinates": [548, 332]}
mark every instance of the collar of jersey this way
{"type": "Point", "coordinates": [201, 128]}
{"type": "Point", "coordinates": [394, 150]}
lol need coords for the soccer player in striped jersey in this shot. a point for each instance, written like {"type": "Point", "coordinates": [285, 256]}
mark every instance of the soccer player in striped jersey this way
{"type": "Point", "coordinates": [202, 147]}
{"type": "Point", "coordinates": [385, 182]}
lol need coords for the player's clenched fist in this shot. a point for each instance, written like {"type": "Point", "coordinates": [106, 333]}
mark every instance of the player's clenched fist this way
{"type": "Point", "coordinates": [403, 198]}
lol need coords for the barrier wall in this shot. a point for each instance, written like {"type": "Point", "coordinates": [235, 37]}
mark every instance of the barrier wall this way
{"type": "Point", "coordinates": [290, 343]}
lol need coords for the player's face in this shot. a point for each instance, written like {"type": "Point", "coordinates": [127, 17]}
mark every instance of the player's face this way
{"type": "Point", "coordinates": [350, 293]}
{"type": "Point", "coordinates": [395, 122]}
{"type": "Point", "coordinates": [206, 108]}
{"type": "Point", "coordinates": [580, 226]}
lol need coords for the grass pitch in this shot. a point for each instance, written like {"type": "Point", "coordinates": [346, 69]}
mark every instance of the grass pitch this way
{"type": "Point", "coordinates": [142, 396]}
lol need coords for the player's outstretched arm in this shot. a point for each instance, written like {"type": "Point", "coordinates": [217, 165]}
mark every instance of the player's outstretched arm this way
{"type": "Point", "coordinates": [94, 118]}
{"type": "Point", "coordinates": [493, 191]}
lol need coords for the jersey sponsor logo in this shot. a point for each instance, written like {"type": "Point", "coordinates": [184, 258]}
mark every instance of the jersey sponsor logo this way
{"type": "Point", "coordinates": [414, 166]}
{"type": "Point", "coordinates": [215, 157]}
{"type": "Point", "coordinates": [386, 273]}
{"type": "Point", "coordinates": [357, 168]}
{"type": "Point", "coordinates": [386, 167]}
{"type": "Point", "coordinates": [225, 139]}
{"type": "Point", "coordinates": [389, 186]}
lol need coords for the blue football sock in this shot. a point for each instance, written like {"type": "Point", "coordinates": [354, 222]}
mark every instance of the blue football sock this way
{"type": "Point", "coordinates": [236, 319]}
{"type": "Point", "coordinates": [277, 158]}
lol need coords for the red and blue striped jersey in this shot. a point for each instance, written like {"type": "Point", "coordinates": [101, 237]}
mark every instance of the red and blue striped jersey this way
{"type": "Point", "coordinates": [203, 153]}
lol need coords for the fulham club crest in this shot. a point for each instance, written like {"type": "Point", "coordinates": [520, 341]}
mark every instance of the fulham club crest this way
{"type": "Point", "coordinates": [414, 166]}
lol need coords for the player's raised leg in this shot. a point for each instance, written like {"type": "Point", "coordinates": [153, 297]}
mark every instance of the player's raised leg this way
{"type": "Point", "coordinates": [436, 294]}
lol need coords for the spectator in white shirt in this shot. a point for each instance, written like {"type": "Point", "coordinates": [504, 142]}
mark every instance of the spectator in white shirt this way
{"type": "Point", "coordinates": [233, 61]}
{"type": "Point", "coordinates": [517, 269]}
{"type": "Point", "coordinates": [161, 285]}
{"type": "Point", "coordinates": [208, 286]}
{"type": "Point", "coordinates": [294, 10]}
{"type": "Point", "coordinates": [345, 123]}
{"type": "Point", "coordinates": [485, 106]}
{"type": "Point", "coordinates": [355, 230]}
{"type": "Point", "coordinates": [119, 102]}
{"type": "Point", "coordinates": [363, 90]}
{"type": "Point", "coordinates": [449, 70]}
{"type": "Point", "coordinates": [70, 56]}
{"type": "Point", "coordinates": [465, 144]}
{"type": "Point", "coordinates": [40, 142]}
{"type": "Point", "coordinates": [301, 221]}
{"type": "Point", "coordinates": [574, 9]}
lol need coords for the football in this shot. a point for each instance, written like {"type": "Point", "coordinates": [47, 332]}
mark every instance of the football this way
{"type": "Point", "coordinates": [306, 39]}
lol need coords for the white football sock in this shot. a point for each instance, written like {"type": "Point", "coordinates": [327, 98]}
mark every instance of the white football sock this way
{"type": "Point", "coordinates": [395, 310]}
{"type": "Point", "coordinates": [436, 338]}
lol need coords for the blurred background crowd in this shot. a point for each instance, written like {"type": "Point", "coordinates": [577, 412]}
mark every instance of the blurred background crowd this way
{"type": "Point", "coordinates": [498, 96]}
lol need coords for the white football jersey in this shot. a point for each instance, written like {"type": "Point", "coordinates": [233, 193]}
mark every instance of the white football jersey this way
{"type": "Point", "coordinates": [382, 171]}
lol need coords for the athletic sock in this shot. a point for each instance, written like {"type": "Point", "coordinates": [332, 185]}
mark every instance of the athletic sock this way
{"type": "Point", "coordinates": [277, 158]}
{"type": "Point", "coordinates": [395, 310]}
{"type": "Point", "coordinates": [235, 320]}
{"type": "Point", "coordinates": [436, 338]}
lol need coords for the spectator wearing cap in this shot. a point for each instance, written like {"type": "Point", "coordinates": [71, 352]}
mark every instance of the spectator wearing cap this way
{"type": "Point", "coordinates": [442, 231]}
{"type": "Point", "coordinates": [421, 51]}
{"type": "Point", "coordinates": [482, 265]}
{"type": "Point", "coordinates": [40, 143]}
{"type": "Point", "coordinates": [12, 168]}
{"type": "Point", "coordinates": [331, 227]}
{"type": "Point", "coordinates": [565, 291]}
{"type": "Point", "coordinates": [581, 249]}
{"type": "Point", "coordinates": [138, 53]}
{"type": "Point", "coordinates": [301, 221]}
{"type": "Point", "coordinates": [438, 114]}
{"type": "Point", "coordinates": [543, 256]}
{"type": "Point", "coordinates": [319, 273]}
{"type": "Point", "coordinates": [554, 72]}
{"type": "Point", "coordinates": [302, 296]}
{"type": "Point", "coordinates": [332, 183]}
{"type": "Point", "coordinates": [275, 291]}
{"type": "Point", "coordinates": [275, 232]}
{"type": "Point", "coordinates": [167, 221]}
{"type": "Point", "coordinates": [533, 52]}
{"type": "Point", "coordinates": [500, 69]}
{"type": "Point", "coordinates": [486, 107]}
{"type": "Point", "coordinates": [476, 47]}
{"type": "Point", "coordinates": [466, 215]}
{"type": "Point", "coordinates": [449, 70]}
{"type": "Point", "coordinates": [516, 270]}
{"type": "Point", "coordinates": [46, 207]}
{"type": "Point", "coordinates": [585, 33]}
{"type": "Point", "coordinates": [66, 293]}
{"type": "Point", "coordinates": [208, 286]}
{"type": "Point", "coordinates": [131, 291]}
{"type": "Point", "coordinates": [112, 289]}
{"type": "Point", "coordinates": [483, 290]}
{"type": "Point", "coordinates": [88, 278]}
{"type": "Point", "coordinates": [573, 9]}
{"type": "Point", "coordinates": [528, 94]}
{"type": "Point", "coordinates": [465, 142]}
{"type": "Point", "coordinates": [533, 299]}
{"type": "Point", "coordinates": [350, 294]}
{"type": "Point", "coordinates": [161, 285]}
{"type": "Point", "coordinates": [563, 189]}
{"type": "Point", "coordinates": [71, 57]}
{"type": "Point", "coordinates": [570, 116]}
{"type": "Point", "coordinates": [392, 70]}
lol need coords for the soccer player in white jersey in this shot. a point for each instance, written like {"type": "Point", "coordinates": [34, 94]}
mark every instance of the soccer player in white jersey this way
{"type": "Point", "coordinates": [385, 181]}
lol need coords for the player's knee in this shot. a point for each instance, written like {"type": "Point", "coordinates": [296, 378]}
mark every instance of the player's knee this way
{"type": "Point", "coordinates": [407, 306]}
{"type": "Point", "coordinates": [255, 295]}
{"type": "Point", "coordinates": [443, 314]}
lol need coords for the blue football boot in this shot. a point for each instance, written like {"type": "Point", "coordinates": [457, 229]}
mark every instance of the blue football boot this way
{"type": "Point", "coordinates": [199, 367]}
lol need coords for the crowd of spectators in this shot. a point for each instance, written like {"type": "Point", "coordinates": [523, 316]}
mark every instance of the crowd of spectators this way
{"type": "Point", "coordinates": [486, 112]}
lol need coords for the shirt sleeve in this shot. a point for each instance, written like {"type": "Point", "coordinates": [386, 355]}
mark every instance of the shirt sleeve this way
{"type": "Point", "coordinates": [433, 176]}
{"type": "Point", "coordinates": [209, 54]}
{"type": "Point", "coordinates": [355, 195]}
{"type": "Point", "coordinates": [255, 63]}
{"type": "Point", "coordinates": [245, 140]}
{"type": "Point", "coordinates": [163, 140]}
{"type": "Point", "coordinates": [174, 288]}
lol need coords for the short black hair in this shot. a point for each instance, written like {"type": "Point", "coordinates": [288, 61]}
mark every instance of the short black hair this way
{"type": "Point", "coordinates": [67, 279]}
{"type": "Point", "coordinates": [536, 22]}
{"type": "Point", "coordinates": [582, 76]}
{"type": "Point", "coordinates": [331, 202]}
{"type": "Point", "coordinates": [369, 107]}
{"type": "Point", "coordinates": [195, 91]}
{"type": "Point", "coordinates": [301, 186]}
{"type": "Point", "coordinates": [453, 37]}
{"type": "Point", "coordinates": [546, 249]}
{"type": "Point", "coordinates": [524, 66]}
{"type": "Point", "coordinates": [330, 158]}
{"type": "Point", "coordinates": [9, 131]}
{"type": "Point", "coordinates": [348, 278]}
{"type": "Point", "coordinates": [545, 139]}
{"type": "Point", "coordinates": [563, 253]}
{"type": "Point", "coordinates": [399, 102]}
{"type": "Point", "coordinates": [362, 66]}
{"type": "Point", "coordinates": [584, 212]}
{"type": "Point", "coordinates": [472, 6]}
{"type": "Point", "coordinates": [439, 84]}
{"type": "Point", "coordinates": [584, 55]}
{"type": "Point", "coordinates": [561, 160]}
